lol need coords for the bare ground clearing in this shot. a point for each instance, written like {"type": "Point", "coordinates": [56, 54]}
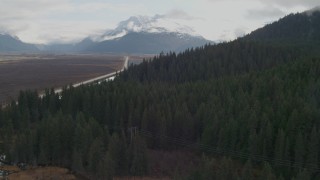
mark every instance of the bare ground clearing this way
{"type": "Point", "coordinates": [49, 172]}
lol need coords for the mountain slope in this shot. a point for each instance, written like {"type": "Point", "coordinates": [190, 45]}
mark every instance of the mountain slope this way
{"type": "Point", "coordinates": [69, 48]}
{"type": "Point", "coordinates": [144, 42]}
{"type": "Point", "coordinates": [144, 34]}
{"type": "Point", "coordinates": [291, 38]}
{"type": "Point", "coordinates": [300, 27]}
{"type": "Point", "coordinates": [11, 44]}
{"type": "Point", "coordinates": [139, 34]}
{"type": "Point", "coordinates": [145, 24]}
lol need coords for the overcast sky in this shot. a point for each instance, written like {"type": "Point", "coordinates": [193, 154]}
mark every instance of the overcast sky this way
{"type": "Point", "coordinates": [45, 21]}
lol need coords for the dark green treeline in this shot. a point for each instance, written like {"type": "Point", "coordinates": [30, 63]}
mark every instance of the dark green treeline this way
{"type": "Point", "coordinates": [256, 103]}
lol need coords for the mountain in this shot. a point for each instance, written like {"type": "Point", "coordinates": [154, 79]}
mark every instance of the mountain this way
{"type": "Point", "coordinates": [138, 34]}
{"type": "Point", "coordinates": [137, 24]}
{"type": "Point", "coordinates": [9, 43]}
{"type": "Point", "coordinates": [68, 48]}
{"type": "Point", "coordinates": [300, 31]}
{"type": "Point", "coordinates": [144, 34]}
{"type": "Point", "coordinates": [144, 42]}
{"type": "Point", "coordinates": [300, 27]}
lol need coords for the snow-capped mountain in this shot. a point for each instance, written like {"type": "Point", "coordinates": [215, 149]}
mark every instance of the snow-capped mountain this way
{"type": "Point", "coordinates": [143, 34]}
{"type": "Point", "coordinates": [146, 24]}
{"type": "Point", "coordinates": [138, 34]}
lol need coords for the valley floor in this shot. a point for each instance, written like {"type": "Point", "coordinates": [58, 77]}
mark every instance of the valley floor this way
{"type": "Point", "coordinates": [46, 71]}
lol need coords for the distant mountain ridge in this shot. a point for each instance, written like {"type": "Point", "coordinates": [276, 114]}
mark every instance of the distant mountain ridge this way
{"type": "Point", "coordinates": [9, 43]}
{"type": "Point", "coordinates": [143, 42]}
{"type": "Point", "coordinates": [146, 24]}
{"type": "Point", "coordinates": [138, 34]}
{"type": "Point", "coordinates": [143, 34]}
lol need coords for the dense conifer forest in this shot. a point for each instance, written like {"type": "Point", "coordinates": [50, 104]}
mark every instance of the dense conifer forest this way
{"type": "Point", "coordinates": [249, 109]}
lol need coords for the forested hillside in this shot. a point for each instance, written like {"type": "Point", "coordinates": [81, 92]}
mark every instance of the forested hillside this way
{"type": "Point", "coordinates": [208, 62]}
{"type": "Point", "coordinates": [295, 30]}
{"type": "Point", "coordinates": [248, 109]}
{"type": "Point", "coordinates": [297, 27]}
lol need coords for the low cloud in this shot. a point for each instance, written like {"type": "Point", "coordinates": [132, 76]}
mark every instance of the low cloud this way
{"type": "Point", "coordinates": [239, 32]}
{"type": "Point", "coordinates": [292, 3]}
{"type": "Point", "coordinates": [283, 3]}
{"type": "Point", "coordinates": [310, 12]}
{"type": "Point", "coordinates": [266, 12]}
{"type": "Point", "coordinates": [43, 21]}
{"type": "Point", "coordinates": [179, 14]}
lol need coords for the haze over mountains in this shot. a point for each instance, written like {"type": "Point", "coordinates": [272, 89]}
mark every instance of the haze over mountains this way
{"type": "Point", "coordinates": [13, 44]}
{"type": "Point", "coordinates": [138, 34]}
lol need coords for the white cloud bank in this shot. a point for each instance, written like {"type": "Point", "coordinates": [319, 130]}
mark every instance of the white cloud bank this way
{"type": "Point", "coordinates": [47, 21]}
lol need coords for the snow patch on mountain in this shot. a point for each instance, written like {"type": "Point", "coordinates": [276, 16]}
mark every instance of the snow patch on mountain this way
{"type": "Point", "coordinates": [146, 24]}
